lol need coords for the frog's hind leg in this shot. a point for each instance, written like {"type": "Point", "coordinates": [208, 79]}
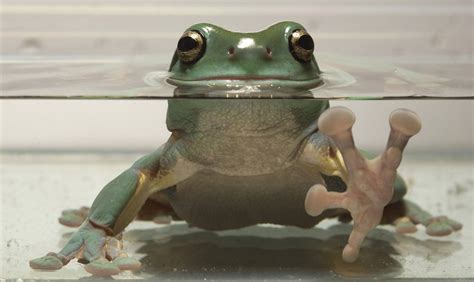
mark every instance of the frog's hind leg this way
{"type": "Point", "coordinates": [405, 215]}
{"type": "Point", "coordinates": [435, 225]}
{"type": "Point", "coordinates": [369, 182]}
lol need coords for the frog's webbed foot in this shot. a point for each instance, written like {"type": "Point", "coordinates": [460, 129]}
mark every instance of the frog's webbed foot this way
{"type": "Point", "coordinates": [103, 254]}
{"type": "Point", "coordinates": [73, 217]}
{"type": "Point", "coordinates": [435, 225]}
{"type": "Point", "coordinates": [369, 182]}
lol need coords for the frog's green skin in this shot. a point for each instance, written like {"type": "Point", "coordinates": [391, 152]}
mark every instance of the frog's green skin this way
{"type": "Point", "coordinates": [228, 163]}
{"type": "Point", "coordinates": [251, 59]}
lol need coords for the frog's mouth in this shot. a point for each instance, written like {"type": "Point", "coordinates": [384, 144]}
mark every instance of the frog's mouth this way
{"type": "Point", "coordinates": [233, 82]}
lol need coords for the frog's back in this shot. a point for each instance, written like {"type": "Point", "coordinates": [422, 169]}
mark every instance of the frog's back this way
{"type": "Point", "coordinates": [242, 137]}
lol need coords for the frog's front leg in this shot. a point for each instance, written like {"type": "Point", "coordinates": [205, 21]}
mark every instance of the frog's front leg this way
{"type": "Point", "coordinates": [369, 182]}
{"type": "Point", "coordinates": [97, 241]}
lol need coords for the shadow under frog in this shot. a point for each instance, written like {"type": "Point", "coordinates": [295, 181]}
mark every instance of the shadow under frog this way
{"type": "Point", "coordinates": [269, 252]}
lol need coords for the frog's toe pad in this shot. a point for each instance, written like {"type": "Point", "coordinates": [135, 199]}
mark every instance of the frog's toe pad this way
{"type": "Point", "coordinates": [335, 120]}
{"type": "Point", "coordinates": [315, 200]}
{"type": "Point", "coordinates": [404, 226]}
{"type": "Point", "coordinates": [46, 263]}
{"type": "Point", "coordinates": [405, 122]}
{"type": "Point", "coordinates": [102, 267]}
{"type": "Point", "coordinates": [127, 263]}
{"type": "Point", "coordinates": [350, 254]}
{"type": "Point", "coordinates": [442, 226]}
{"type": "Point", "coordinates": [74, 218]}
{"type": "Point", "coordinates": [71, 220]}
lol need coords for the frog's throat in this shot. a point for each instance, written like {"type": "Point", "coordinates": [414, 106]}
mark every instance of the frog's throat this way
{"type": "Point", "coordinates": [237, 82]}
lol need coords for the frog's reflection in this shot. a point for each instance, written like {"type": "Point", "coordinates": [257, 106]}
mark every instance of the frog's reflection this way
{"type": "Point", "coordinates": [268, 252]}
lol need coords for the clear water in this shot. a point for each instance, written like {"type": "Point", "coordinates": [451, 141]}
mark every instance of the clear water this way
{"type": "Point", "coordinates": [344, 77]}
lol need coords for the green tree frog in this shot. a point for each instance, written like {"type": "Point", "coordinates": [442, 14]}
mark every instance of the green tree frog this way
{"type": "Point", "coordinates": [231, 163]}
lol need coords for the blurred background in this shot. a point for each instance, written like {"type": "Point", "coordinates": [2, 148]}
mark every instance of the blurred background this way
{"type": "Point", "coordinates": [429, 36]}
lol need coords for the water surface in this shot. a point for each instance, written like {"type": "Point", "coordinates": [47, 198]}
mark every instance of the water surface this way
{"type": "Point", "coordinates": [144, 77]}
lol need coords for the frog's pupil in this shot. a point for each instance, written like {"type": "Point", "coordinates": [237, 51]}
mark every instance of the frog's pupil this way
{"type": "Point", "coordinates": [187, 43]}
{"type": "Point", "coordinates": [306, 42]}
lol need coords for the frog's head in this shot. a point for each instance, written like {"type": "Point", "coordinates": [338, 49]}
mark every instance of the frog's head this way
{"type": "Point", "coordinates": [280, 56]}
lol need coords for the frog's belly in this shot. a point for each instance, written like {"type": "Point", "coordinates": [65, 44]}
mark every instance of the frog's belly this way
{"type": "Point", "coordinates": [242, 155]}
{"type": "Point", "coordinates": [214, 201]}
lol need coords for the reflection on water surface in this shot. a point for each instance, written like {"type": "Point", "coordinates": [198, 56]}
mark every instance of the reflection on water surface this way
{"type": "Point", "coordinates": [146, 78]}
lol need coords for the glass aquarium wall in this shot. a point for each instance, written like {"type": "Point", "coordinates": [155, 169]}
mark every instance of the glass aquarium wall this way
{"type": "Point", "coordinates": [84, 94]}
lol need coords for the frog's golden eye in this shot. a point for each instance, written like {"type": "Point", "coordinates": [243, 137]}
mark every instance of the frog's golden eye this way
{"type": "Point", "coordinates": [191, 46]}
{"type": "Point", "coordinates": [301, 45]}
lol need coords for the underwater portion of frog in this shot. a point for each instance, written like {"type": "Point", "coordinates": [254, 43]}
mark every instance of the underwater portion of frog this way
{"type": "Point", "coordinates": [234, 163]}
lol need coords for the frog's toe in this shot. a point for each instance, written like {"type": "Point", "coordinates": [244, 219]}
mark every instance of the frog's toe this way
{"type": "Point", "coordinates": [102, 267]}
{"type": "Point", "coordinates": [404, 225]}
{"type": "Point", "coordinates": [115, 253]}
{"type": "Point", "coordinates": [435, 225]}
{"type": "Point", "coordinates": [442, 226]}
{"type": "Point", "coordinates": [405, 122]}
{"type": "Point", "coordinates": [336, 120]}
{"type": "Point", "coordinates": [74, 218]}
{"type": "Point", "coordinates": [127, 263]}
{"type": "Point", "coordinates": [455, 225]}
{"type": "Point", "coordinates": [71, 220]}
{"type": "Point", "coordinates": [48, 262]}
{"type": "Point", "coordinates": [113, 260]}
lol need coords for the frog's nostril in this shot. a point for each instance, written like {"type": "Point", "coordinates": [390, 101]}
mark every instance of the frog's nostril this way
{"type": "Point", "coordinates": [231, 52]}
{"type": "Point", "coordinates": [269, 52]}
